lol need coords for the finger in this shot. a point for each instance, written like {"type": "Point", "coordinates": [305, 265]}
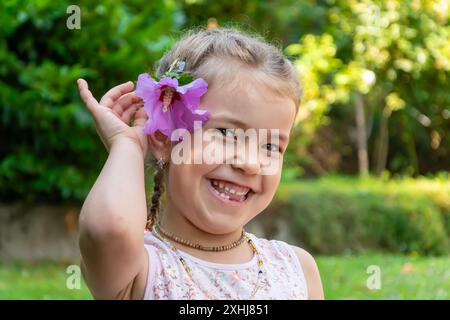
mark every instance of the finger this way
{"type": "Point", "coordinates": [115, 93]}
{"type": "Point", "coordinates": [126, 115]}
{"type": "Point", "coordinates": [126, 101]}
{"type": "Point", "coordinates": [86, 95]}
{"type": "Point", "coordinates": [140, 117]}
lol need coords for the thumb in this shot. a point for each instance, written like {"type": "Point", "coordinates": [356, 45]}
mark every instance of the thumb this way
{"type": "Point", "coordinates": [86, 95]}
{"type": "Point", "coordinates": [140, 117]}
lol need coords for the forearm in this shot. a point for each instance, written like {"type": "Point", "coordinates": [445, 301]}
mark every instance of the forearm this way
{"type": "Point", "coordinates": [117, 202]}
{"type": "Point", "coordinates": [113, 216]}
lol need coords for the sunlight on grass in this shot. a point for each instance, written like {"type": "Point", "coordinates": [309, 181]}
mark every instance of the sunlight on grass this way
{"type": "Point", "coordinates": [41, 280]}
{"type": "Point", "coordinates": [402, 277]}
{"type": "Point", "coordinates": [343, 277]}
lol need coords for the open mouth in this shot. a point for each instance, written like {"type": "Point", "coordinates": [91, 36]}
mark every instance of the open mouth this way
{"type": "Point", "coordinates": [229, 191]}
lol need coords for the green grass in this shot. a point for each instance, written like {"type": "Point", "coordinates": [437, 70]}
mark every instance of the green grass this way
{"type": "Point", "coordinates": [344, 277]}
{"type": "Point", "coordinates": [40, 280]}
{"type": "Point", "coordinates": [402, 277]}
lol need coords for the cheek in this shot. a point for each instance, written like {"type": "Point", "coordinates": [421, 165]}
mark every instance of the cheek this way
{"type": "Point", "coordinates": [185, 179]}
{"type": "Point", "coordinates": [270, 184]}
{"type": "Point", "coordinates": [201, 146]}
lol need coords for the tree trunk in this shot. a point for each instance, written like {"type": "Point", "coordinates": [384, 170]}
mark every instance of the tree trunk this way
{"type": "Point", "coordinates": [361, 133]}
{"type": "Point", "coordinates": [383, 143]}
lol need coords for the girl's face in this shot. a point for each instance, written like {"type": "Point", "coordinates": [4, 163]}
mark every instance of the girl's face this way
{"type": "Point", "coordinates": [222, 197]}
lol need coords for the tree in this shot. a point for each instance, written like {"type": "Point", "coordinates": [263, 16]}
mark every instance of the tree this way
{"type": "Point", "coordinates": [387, 57]}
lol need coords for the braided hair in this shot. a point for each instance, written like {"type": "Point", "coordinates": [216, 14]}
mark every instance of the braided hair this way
{"type": "Point", "coordinates": [158, 189]}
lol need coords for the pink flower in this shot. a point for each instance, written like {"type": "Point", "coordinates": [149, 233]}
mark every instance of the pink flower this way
{"type": "Point", "coordinates": [169, 106]}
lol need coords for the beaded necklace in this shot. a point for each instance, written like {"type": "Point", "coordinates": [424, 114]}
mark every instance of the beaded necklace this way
{"type": "Point", "coordinates": [189, 270]}
{"type": "Point", "coordinates": [199, 246]}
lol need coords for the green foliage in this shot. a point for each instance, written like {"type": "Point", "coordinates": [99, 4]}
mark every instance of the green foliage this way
{"type": "Point", "coordinates": [185, 79]}
{"type": "Point", "coordinates": [396, 54]}
{"type": "Point", "coordinates": [337, 215]}
{"type": "Point", "coordinates": [49, 148]}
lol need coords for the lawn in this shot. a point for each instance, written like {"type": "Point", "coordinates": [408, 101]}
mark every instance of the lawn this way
{"type": "Point", "coordinates": [344, 277]}
{"type": "Point", "coordinates": [402, 277]}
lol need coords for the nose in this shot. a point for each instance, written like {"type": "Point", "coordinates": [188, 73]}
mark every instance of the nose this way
{"type": "Point", "coordinates": [247, 161]}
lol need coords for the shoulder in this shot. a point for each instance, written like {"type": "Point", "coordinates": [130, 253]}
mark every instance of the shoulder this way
{"type": "Point", "coordinates": [312, 275]}
{"type": "Point", "coordinates": [307, 262]}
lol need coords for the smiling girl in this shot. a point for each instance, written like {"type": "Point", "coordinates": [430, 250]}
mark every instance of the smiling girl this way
{"type": "Point", "coordinates": [195, 245]}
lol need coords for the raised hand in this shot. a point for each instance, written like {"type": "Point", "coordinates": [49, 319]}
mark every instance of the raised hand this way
{"type": "Point", "coordinates": [113, 114]}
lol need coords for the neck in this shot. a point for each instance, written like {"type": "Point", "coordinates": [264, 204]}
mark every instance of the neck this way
{"type": "Point", "coordinates": [177, 224]}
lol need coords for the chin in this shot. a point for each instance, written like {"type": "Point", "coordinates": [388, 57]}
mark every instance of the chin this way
{"type": "Point", "coordinates": [218, 224]}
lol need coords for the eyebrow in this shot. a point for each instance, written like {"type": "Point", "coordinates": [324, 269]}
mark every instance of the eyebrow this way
{"type": "Point", "coordinates": [241, 124]}
{"type": "Point", "coordinates": [234, 121]}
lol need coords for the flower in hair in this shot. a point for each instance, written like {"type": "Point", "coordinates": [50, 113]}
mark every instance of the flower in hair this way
{"type": "Point", "coordinates": [171, 102]}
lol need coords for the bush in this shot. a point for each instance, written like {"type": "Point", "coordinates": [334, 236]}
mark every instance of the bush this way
{"type": "Point", "coordinates": [341, 215]}
{"type": "Point", "coordinates": [50, 150]}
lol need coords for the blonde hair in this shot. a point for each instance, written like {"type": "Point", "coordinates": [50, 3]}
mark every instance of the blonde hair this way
{"type": "Point", "coordinates": [207, 52]}
{"type": "Point", "coordinates": [217, 56]}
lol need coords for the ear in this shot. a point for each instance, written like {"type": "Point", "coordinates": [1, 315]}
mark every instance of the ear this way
{"type": "Point", "coordinates": [159, 145]}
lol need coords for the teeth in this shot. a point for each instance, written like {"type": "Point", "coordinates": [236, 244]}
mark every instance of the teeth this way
{"type": "Point", "coordinates": [221, 185]}
{"type": "Point", "coordinates": [232, 191]}
{"type": "Point", "coordinates": [223, 195]}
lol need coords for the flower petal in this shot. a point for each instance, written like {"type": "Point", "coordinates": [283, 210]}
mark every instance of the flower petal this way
{"type": "Point", "coordinates": [191, 93]}
{"type": "Point", "coordinates": [159, 120]}
{"type": "Point", "coordinates": [183, 118]}
{"type": "Point", "coordinates": [182, 112]}
{"type": "Point", "coordinates": [189, 117]}
{"type": "Point", "coordinates": [171, 82]}
{"type": "Point", "coordinates": [147, 89]}
{"type": "Point", "coordinates": [198, 115]}
{"type": "Point", "coordinates": [177, 110]}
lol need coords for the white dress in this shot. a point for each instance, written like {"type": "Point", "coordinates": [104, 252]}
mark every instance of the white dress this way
{"type": "Point", "coordinates": [282, 276]}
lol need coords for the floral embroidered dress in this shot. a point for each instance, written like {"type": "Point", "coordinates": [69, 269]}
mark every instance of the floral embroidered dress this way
{"type": "Point", "coordinates": [282, 276]}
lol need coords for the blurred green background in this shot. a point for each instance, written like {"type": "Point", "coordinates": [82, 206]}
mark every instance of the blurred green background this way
{"type": "Point", "coordinates": [366, 175]}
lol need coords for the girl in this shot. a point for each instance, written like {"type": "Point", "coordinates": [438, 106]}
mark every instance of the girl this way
{"type": "Point", "coordinates": [197, 246]}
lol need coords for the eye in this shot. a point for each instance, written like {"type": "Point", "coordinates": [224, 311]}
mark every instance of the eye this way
{"type": "Point", "coordinates": [226, 132]}
{"type": "Point", "coordinates": [272, 147]}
